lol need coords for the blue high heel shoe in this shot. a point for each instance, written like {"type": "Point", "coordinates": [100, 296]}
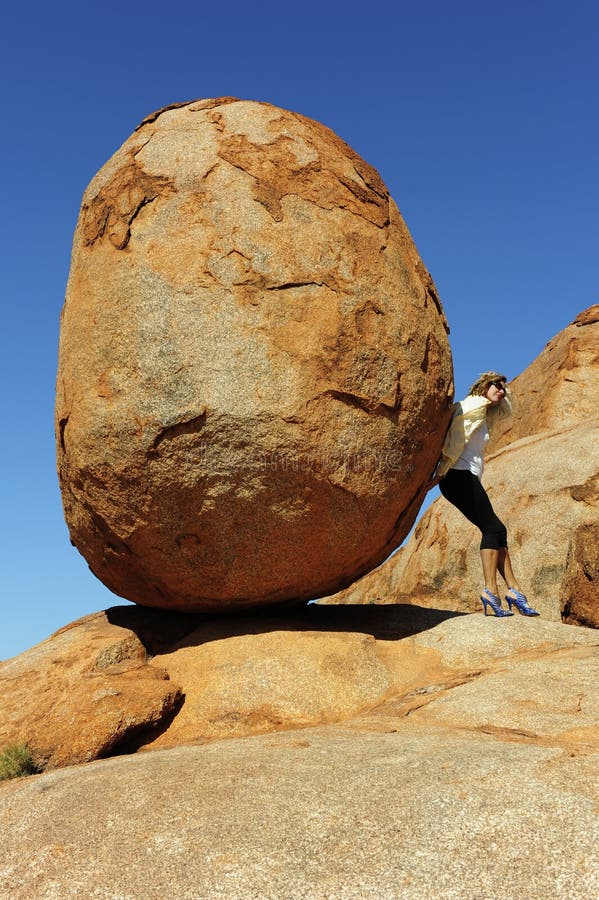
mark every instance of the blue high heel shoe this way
{"type": "Point", "coordinates": [521, 603]}
{"type": "Point", "coordinates": [495, 604]}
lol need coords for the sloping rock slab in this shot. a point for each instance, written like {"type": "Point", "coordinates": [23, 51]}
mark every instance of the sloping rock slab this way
{"type": "Point", "coordinates": [249, 683]}
{"type": "Point", "coordinates": [133, 679]}
{"type": "Point", "coordinates": [411, 811]}
{"type": "Point", "coordinates": [559, 388]}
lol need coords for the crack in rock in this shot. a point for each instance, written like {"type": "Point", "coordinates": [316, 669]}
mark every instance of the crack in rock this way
{"type": "Point", "coordinates": [62, 424]}
{"type": "Point", "coordinates": [368, 406]}
{"type": "Point", "coordinates": [187, 426]}
{"type": "Point", "coordinates": [296, 284]}
{"type": "Point", "coordinates": [198, 106]}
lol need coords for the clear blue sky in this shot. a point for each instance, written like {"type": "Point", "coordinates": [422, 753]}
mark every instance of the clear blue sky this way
{"type": "Point", "coordinates": [481, 117]}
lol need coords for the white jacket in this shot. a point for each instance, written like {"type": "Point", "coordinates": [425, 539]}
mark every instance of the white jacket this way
{"type": "Point", "coordinates": [467, 415]}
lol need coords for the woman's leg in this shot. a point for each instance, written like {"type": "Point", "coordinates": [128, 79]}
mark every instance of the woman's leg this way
{"type": "Point", "coordinates": [465, 491]}
{"type": "Point", "coordinates": [514, 595]}
{"type": "Point", "coordinates": [490, 561]}
{"type": "Point", "coordinates": [504, 564]}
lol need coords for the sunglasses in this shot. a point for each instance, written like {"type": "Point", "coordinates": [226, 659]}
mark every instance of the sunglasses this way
{"type": "Point", "coordinates": [500, 385]}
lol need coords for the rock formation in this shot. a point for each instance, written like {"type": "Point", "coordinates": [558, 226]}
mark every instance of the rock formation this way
{"type": "Point", "coordinates": [86, 692]}
{"type": "Point", "coordinates": [542, 475]}
{"type": "Point", "coordinates": [559, 388]}
{"type": "Point", "coordinates": [468, 778]}
{"type": "Point", "coordinates": [131, 678]}
{"type": "Point", "coordinates": [254, 377]}
{"type": "Point", "coordinates": [580, 585]}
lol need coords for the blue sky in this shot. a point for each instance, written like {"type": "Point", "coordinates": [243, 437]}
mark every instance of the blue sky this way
{"type": "Point", "coordinates": [482, 118]}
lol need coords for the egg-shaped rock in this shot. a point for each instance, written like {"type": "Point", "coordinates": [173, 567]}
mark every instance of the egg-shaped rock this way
{"type": "Point", "coordinates": [254, 377]}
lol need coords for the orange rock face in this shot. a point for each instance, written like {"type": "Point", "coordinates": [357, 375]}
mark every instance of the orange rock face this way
{"type": "Point", "coordinates": [130, 678]}
{"type": "Point", "coordinates": [543, 480]}
{"type": "Point", "coordinates": [126, 678]}
{"type": "Point", "coordinates": [85, 692]}
{"type": "Point", "coordinates": [559, 388]}
{"type": "Point", "coordinates": [580, 587]}
{"type": "Point", "coordinates": [254, 376]}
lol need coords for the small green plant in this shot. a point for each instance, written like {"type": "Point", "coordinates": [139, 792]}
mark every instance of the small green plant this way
{"type": "Point", "coordinates": [16, 761]}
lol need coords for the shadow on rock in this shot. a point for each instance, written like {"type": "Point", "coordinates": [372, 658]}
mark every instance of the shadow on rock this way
{"type": "Point", "coordinates": [160, 631]}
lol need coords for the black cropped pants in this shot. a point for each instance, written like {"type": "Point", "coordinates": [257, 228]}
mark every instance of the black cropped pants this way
{"type": "Point", "coordinates": [464, 490]}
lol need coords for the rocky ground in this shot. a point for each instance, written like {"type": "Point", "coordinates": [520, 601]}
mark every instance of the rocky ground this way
{"type": "Point", "coordinates": [459, 760]}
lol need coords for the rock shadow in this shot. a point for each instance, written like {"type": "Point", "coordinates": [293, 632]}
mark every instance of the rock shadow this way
{"type": "Point", "coordinates": [385, 622]}
{"type": "Point", "coordinates": [161, 631]}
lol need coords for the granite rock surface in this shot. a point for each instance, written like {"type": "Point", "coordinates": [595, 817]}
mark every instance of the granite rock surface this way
{"type": "Point", "coordinates": [254, 374]}
{"type": "Point", "coordinates": [475, 776]}
{"type": "Point", "coordinates": [132, 678]}
{"type": "Point", "coordinates": [559, 388]}
{"type": "Point", "coordinates": [83, 693]}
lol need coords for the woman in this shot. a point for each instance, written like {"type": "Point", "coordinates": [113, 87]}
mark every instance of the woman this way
{"type": "Point", "coordinates": [458, 475]}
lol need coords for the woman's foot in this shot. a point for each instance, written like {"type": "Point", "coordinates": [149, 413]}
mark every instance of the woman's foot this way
{"type": "Point", "coordinates": [517, 599]}
{"type": "Point", "coordinates": [488, 598]}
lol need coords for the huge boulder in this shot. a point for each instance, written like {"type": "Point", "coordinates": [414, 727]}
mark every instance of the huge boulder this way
{"type": "Point", "coordinates": [254, 376]}
{"type": "Point", "coordinates": [543, 480]}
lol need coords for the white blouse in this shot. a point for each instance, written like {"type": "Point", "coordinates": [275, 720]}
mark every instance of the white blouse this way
{"type": "Point", "coordinates": [472, 456]}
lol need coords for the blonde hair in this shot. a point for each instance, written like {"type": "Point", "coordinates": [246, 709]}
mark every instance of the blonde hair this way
{"type": "Point", "coordinates": [484, 382]}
